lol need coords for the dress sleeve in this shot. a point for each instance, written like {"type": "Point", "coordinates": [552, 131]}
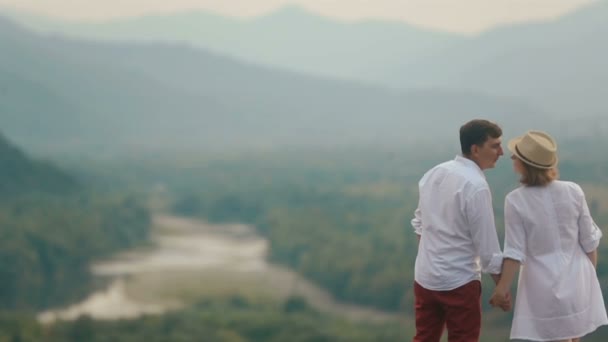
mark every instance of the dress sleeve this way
{"type": "Point", "coordinates": [515, 234]}
{"type": "Point", "coordinates": [480, 215]}
{"type": "Point", "coordinates": [589, 234]}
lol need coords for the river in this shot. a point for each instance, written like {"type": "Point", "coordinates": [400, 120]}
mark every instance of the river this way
{"type": "Point", "coordinates": [188, 259]}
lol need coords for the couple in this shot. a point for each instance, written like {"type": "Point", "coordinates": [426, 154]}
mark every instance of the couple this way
{"type": "Point", "coordinates": [549, 235]}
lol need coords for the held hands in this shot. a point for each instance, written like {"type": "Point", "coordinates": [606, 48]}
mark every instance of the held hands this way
{"type": "Point", "coordinates": [502, 299]}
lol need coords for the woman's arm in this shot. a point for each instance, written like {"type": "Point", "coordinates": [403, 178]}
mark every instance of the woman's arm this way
{"type": "Point", "coordinates": [589, 234]}
{"type": "Point", "coordinates": [514, 254]}
{"type": "Point", "coordinates": [509, 269]}
{"type": "Point", "coordinates": [593, 257]}
{"type": "Point", "coordinates": [502, 294]}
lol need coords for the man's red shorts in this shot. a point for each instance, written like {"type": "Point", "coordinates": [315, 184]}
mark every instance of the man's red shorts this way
{"type": "Point", "coordinates": [459, 310]}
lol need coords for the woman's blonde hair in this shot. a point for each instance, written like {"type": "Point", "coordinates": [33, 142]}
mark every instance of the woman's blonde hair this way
{"type": "Point", "coordinates": [533, 176]}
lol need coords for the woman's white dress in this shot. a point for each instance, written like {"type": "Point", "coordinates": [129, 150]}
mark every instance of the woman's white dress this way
{"type": "Point", "coordinates": [549, 230]}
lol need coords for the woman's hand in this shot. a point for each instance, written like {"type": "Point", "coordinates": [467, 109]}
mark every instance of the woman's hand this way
{"type": "Point", "coordinates": [501, 298]}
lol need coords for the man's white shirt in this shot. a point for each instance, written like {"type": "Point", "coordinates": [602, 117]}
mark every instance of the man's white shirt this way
{"type": "Point", "coordinates": [455, 221]}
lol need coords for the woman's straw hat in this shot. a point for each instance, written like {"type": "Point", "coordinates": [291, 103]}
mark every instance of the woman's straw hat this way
{"type": "Point", "coordinates": [535, 148]}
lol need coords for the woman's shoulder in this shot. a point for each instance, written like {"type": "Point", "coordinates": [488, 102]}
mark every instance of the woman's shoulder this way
{"type": "Point", "coordinates": [568, 186]}
{"type": "Point", "coordinates": [516, 193]}
{"type": "Point", "coordinates": [556, 185]}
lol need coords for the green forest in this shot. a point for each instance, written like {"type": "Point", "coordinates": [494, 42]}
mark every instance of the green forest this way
{"type": "Point", "coordinates": [340, 218]}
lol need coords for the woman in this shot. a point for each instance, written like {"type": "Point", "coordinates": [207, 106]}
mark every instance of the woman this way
{"type": "Point", "coordinates": [551, 235]}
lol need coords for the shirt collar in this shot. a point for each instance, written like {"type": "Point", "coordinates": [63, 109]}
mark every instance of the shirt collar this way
{"type": "Point", "coordinates": [470, 164]}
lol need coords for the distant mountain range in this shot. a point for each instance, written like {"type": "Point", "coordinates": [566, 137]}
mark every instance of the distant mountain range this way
{"type": "Point", "coordinates": [67, 94]}
{"type": "Point", "coordinates": [290, 38]}
{"type": "Point", "coordinates": [557, 65]}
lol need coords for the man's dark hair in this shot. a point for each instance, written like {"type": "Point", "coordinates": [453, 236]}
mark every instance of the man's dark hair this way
{"type": "Point", "coordinates": [477, 132]}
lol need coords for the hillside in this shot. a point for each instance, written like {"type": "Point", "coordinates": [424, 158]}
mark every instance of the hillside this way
{"type": "Point", "coordinates": [51, 227]}
{"type": "Point", "coordinates": [19, 174]}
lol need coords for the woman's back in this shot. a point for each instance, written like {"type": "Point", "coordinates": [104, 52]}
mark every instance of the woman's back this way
{"type": "Point", "coordinates": [550, 229]}
{"type": "Point", "coordinates": [549, 216]}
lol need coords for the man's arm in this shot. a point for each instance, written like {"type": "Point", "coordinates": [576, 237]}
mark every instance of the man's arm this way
{"type": "Point", "coordinates": [480, 216]}
{"type": "Point", "coordinates": [417, 223]}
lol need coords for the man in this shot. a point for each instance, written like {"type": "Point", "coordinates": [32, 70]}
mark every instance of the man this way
{"type": "Point", "coordinates": [457, 238]}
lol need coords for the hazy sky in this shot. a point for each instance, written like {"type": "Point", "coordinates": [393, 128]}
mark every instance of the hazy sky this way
{"type": "Point", "coordinates": [451, 15]}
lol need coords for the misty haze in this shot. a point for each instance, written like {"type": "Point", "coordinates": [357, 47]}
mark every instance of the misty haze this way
{"type": "Point", "coordinates": [191, 176]}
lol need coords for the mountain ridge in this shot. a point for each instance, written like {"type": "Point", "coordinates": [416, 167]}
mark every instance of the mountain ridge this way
{"type": "Point", "coordinates": [119, 96]}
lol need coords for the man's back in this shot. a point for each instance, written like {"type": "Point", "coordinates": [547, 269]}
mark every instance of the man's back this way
{"type": "Point", "coordinates": [456, 223]}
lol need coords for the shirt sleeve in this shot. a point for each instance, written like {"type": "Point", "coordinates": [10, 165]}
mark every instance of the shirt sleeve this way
{"type": "Point", "coordinates": [515, 235]}
{"type": "Point", "coordinates": [589, 234]}
{"type": "Point", "coordinates": [480, 215]}
{"type": "Point", "coordinates": [417, 221]}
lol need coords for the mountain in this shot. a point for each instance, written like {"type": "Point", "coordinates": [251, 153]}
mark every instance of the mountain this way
{"type": "Point", "coordinates": [19, 174]}
{"type": "Point", "coordinates": [85, 104]}
{"type": "Point", "coordinates": [120, 97]}
{"type": "Point", "coordinates": [558, 65]}
{"type": "Point", "coordinates": [290, 38]}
